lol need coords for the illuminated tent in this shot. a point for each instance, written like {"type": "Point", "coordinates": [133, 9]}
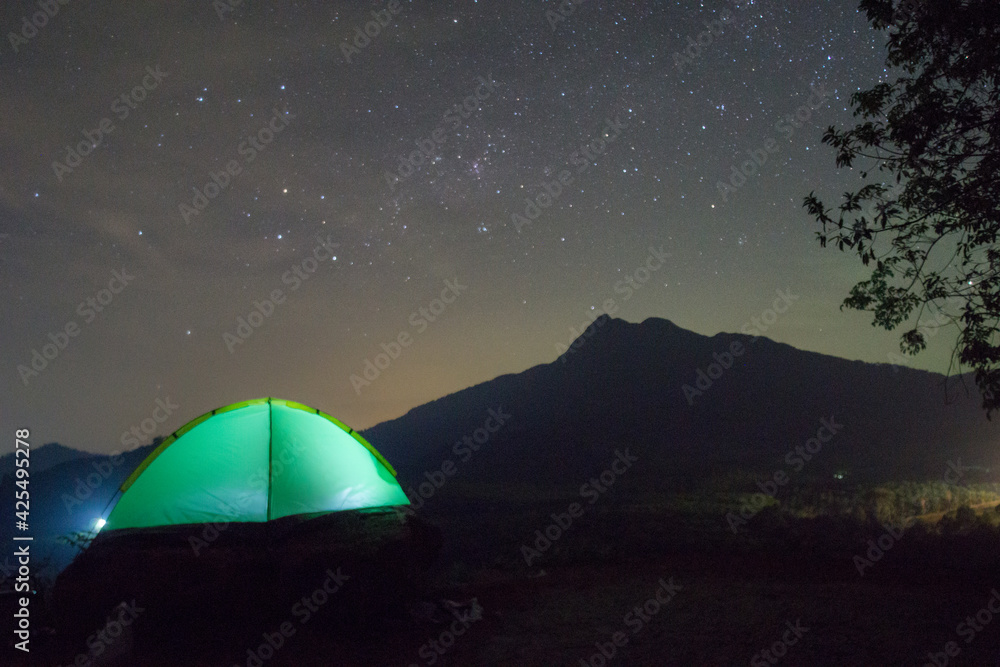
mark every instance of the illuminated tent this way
{"type": "Point", "coordinates": [255, 461]}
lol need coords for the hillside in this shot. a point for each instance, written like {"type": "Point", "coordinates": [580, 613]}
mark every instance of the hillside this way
{"type": "Point", "coordinates": [42, 458]}
{"type": "Point", "coordinates": [624, 385]}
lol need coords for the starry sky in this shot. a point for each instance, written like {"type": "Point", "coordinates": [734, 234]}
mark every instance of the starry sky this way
{"type": "Point", "coordinates": [213, 153]}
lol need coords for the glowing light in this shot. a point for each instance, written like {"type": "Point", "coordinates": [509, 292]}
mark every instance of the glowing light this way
{"type": "Point", "coordinates": [100, 524]}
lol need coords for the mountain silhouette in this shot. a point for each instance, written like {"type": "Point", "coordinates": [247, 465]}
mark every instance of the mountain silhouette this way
{"type": "Point", "coordinates": [42, 458]}
{"type": "Point", "coordinates": [689, 408]}
{"type": "Point", "coordinates": [621, 386]}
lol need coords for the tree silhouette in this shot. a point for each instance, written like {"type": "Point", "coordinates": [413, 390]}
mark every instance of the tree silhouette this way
{"type": "Point", "coordinates": [931, 132]}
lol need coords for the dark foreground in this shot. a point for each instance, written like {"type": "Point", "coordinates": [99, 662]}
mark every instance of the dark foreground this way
{"type": "Point", "coordinates": [629, 587]}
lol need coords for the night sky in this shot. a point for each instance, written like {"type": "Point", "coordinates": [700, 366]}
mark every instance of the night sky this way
{"type": "Point", "coordinates": [164, 98]}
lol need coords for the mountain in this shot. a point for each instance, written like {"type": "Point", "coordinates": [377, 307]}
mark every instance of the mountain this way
{"type": "Point", "coordinates": [42, 458]}
{"type": "Point", "coordinates": [621, 388]}
{"type": "Point", "coordinates": [68, 496]}
{"type": "Point", "coordinates": [623, 385]}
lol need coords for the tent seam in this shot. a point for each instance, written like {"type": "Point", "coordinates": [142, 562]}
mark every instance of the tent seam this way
{"type": "Point", "coordinates": [270, 445]}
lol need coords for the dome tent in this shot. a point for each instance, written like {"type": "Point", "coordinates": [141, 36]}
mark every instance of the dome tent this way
{"type": "Point", "coordinates": [233, 517]}
{"type": "Point", "coordinates": [255, 461]}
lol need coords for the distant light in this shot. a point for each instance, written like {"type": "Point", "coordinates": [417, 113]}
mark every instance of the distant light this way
{"type": "Point", "coordinates": [100, 524]}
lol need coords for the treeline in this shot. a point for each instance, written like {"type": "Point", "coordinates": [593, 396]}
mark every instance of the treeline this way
{"type": "Point", "coordinates": [893, 501]}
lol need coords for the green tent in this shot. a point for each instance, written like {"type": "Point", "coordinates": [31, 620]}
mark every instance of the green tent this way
{"type": "Point", "coordinates": [255, 461]}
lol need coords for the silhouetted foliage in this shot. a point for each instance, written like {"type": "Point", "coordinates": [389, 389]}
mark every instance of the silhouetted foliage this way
{"type": "Point", "coordinates": [933, 130]}
{"type": "Point", "coordinates": [80, 539]}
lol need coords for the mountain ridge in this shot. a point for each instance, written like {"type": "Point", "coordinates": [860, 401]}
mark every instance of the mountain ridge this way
{"type": "Point", "coordinates": [624, 377]}
{"type": "Point", "coordinates": [622, 385]}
